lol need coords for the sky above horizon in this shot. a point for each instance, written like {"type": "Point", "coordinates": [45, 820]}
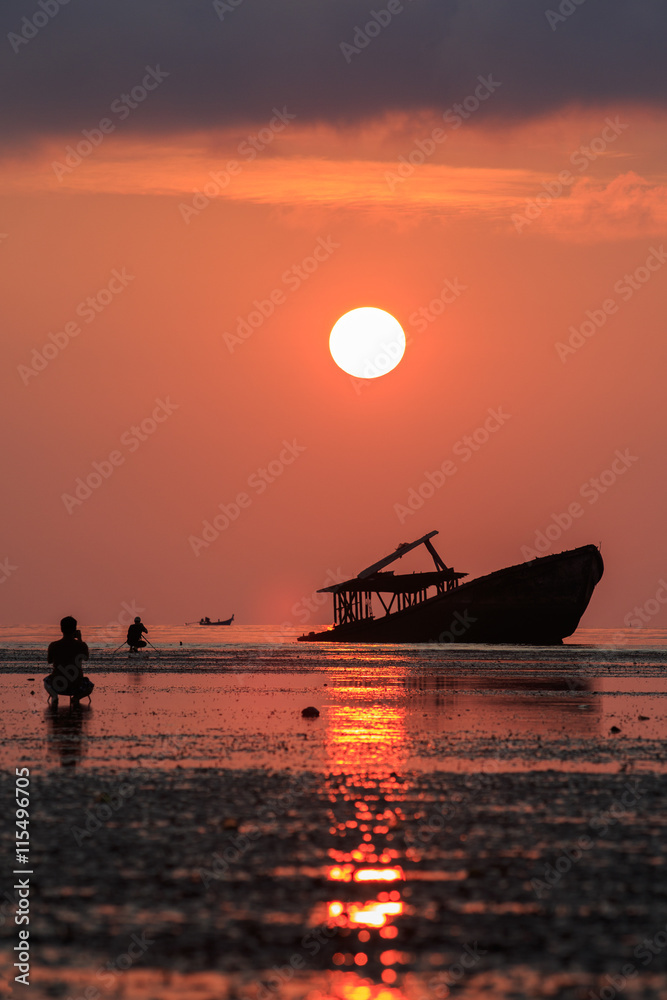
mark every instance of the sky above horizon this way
{"type": "Point", "coordinates": [193, 193]}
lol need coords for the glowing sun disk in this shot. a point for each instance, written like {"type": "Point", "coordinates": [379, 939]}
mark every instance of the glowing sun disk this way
{"type": "Point", "coordinates": [367, 342]}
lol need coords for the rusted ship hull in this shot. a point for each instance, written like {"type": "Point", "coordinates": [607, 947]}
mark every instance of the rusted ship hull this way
{"type": "Point", "coordinates": [538, 603]}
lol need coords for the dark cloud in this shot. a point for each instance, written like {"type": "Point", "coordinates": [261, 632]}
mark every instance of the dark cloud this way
{"type": "Point", "coordinates": [266, 53]}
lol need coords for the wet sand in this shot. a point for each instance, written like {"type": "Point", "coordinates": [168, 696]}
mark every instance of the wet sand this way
{"type": "Point", "coordinates": [468, 824]}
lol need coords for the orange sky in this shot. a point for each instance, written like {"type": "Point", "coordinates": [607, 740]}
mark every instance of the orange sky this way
{"type": "Point", "coordinates": [173, 282]}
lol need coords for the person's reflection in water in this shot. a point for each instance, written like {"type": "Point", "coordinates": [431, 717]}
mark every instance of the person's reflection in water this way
{"type": "Point", "coordinates": [65, 736]}
{"type": "Point", "coordinates": [136, 676]}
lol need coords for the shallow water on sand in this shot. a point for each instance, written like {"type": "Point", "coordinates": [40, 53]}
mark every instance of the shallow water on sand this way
{"type": "Point", "coordinates": [468, 820]}
{"type": "Point", "coordinates": [406, 715]}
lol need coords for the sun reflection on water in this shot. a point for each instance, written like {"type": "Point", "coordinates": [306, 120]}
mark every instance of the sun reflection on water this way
{"type": "Point", "coordinates": [366, 729]}
{"type": "Point", "coordinates": [351, 986]}
{"type": "Point", "coordinates": [366, 737]}
{"type": "Point", "coordinates": [373, 913]}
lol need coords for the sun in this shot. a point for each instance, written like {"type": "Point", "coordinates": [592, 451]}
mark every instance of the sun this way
{"type": "Point", "coordinates": [367, 342]}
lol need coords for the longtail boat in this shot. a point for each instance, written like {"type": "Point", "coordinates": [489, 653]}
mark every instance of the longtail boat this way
{"type": "Point", "coordinates": [207, 621]}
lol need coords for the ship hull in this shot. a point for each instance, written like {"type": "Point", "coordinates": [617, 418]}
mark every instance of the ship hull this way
{"type": "Point", "coordinates": [539, 602]}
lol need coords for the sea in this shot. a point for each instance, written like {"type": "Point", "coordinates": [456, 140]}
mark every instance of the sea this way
{"type": "Point", "coordinates": [470, 821]}
{"type": "Point", "coordinates": [191, 639]}
{"type": "Point", "coordinates": [197, 695]}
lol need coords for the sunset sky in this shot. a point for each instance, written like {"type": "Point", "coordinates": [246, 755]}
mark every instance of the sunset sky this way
{"type": "Point", "coordinates": [192, 195]}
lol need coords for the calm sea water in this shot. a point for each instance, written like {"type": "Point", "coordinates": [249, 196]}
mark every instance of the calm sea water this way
{"type": "Point", "coordinates": [196, 637]}
{"type": "Point", "coordinates": [264, 649]}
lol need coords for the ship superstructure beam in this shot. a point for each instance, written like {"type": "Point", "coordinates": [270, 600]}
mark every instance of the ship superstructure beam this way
{"type": "Point", "coordinates": [399, 553]}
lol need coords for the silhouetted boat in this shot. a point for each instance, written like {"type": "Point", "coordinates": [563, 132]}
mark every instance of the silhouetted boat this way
{"type": "Point", "coordinates": [207, 621]}
{"type": "Point", "coordinates": [538, 602]}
